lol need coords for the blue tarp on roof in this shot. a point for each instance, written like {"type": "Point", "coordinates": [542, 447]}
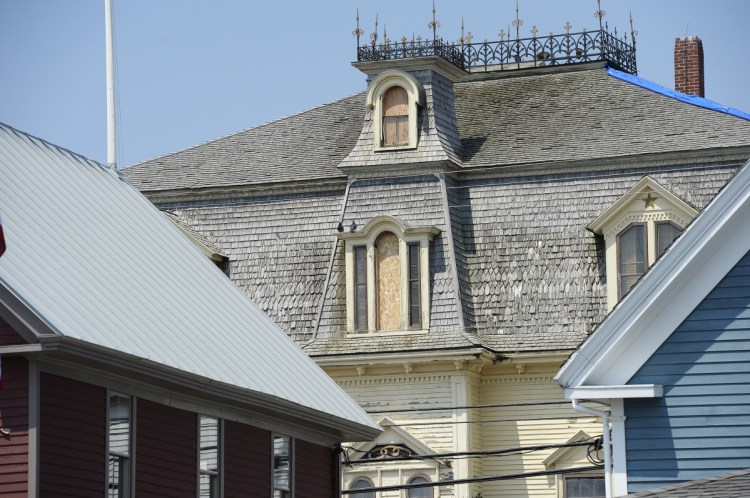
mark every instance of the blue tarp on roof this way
{"type": "Point", "coordinates": [668, 92]}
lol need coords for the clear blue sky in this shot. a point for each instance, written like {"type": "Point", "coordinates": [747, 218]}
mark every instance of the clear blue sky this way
{"type": "Point", "coordinates": [190, 71]}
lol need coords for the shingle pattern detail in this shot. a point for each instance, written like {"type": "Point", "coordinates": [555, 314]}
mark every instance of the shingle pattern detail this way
{"type": "Point", "coordinates": [578, 116]}
{"type": "Point", "coordinates": [278, 247]}
{"type": "Point", "coordinates": [438, 137]}
{"type": "Point", "coordinates": [732, 485]}
{"type": "Point", "coordinates": [536, 275]}
{"type": "Point", "coordinates": [306, 146]}
{"type": "Point", "coordinates": [456, 200]}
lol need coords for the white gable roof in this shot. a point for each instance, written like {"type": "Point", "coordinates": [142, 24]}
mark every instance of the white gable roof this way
{"type": "Point", "coordinates": [95, 260]}
{"type": "Point", "coordinates": [708, 249]}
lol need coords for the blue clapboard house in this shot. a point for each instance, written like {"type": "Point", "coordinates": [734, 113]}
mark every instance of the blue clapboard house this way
{"type": "Point", "coordinates": [669, 368]}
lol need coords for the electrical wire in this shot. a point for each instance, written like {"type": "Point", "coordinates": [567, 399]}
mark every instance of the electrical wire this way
{"type": "Point", "coordinates": [596, 442]}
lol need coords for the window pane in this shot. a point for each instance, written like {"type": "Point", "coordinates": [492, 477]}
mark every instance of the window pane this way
{"type": "Point", "coordinates": [665, 234]}
{"type": "Point", "coordinates": [118, 438]}
{"type": "Point", "coordinates": [631, 246]}
{"type": "Point", "coordinates": [415, 302]}
{"type": "Point", "coordinates": [281, 466]}
{"type": "Point", "coordinates": [584, 487]}
{"type": "Point", "coordinates": [360, 288]}
{"type": "Point", "coordinates": [419, 492]}
{"type": "Point", "coordinates": [209, 457]}
{"type": "Point", "coordinates": [361, 483]}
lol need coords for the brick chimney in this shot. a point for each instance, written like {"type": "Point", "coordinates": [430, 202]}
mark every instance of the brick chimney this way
{"type": "Point", "coordinates": [688, 66]}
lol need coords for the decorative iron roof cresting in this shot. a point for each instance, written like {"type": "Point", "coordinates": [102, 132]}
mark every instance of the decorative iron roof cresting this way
{"type": "Point", "coordinates": [551, 50]}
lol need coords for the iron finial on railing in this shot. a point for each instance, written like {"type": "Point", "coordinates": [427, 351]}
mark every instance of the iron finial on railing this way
{"type": "Point", "coordinates": [567, 27]}
{"type": "Point", "coordinates": [358, 32]}
{"type": "Point", "coordinates": [517, 23]}
{"type": "Point", "coordinates": [534, 31]}
{"type": "Point", "coordinates": [633, 32]}
{"type": "Point", "coordinates": [434, 24]}
{"type": "Point", "coordinates": [374, 35]}
{"type": "Point", "coordinates": [599, 13]}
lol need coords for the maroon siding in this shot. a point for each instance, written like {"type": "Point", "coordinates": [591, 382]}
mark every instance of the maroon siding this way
{"type": "Point", "coordinates": [14, 415]}
{"type": "Point", "coordinates": [166, 451]}
{"type": "Point", "coordinates": [247, 461]}
{"type": "Point", "coordinates": [72, 438]}
{"type": "Point", "coordinates": [316, 471]}
{"type": "Point", "coordinates": [8, 336]}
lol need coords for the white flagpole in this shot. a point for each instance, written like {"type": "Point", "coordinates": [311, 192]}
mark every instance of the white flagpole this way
{"type": "Point", "coordinates": [111, 130]}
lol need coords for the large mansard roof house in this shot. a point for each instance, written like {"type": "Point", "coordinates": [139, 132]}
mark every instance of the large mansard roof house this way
{"type": "Point", "coordinates": [443, 240]}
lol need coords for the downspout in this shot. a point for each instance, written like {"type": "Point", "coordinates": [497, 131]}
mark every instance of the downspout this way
{"type": "Point", "coordinates": [330, 266]}
{"type": "Point", "coordinates": [606, 443]}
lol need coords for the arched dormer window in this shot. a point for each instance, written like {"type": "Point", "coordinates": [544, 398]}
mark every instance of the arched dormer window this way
{"type": "Point", "coordinates": [394, 97]}
{"type": "Point", "coordinates": [387, 276]}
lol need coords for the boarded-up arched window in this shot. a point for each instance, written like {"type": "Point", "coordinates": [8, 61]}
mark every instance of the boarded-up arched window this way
{"type": "Point", "coordinates": [395, 117]}
{"type": "Point", "coordinates": [388, 276]}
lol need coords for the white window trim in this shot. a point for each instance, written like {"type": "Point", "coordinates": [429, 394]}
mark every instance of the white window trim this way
{"type": "Point", "coordinates": [406, 236]}
{"type": "Point", "coordinates": [631, 208]}
{"type": "Point", "coordinates": [381, 84]}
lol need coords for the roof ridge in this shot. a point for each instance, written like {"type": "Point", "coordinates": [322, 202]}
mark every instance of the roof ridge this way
{"type": "Point", "coordinates": [694, 100]}
{"type": "Point", "coordinates": [260, 125]}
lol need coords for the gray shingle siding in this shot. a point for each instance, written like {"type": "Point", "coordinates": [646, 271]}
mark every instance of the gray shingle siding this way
{"type": "Point", "coordinates": [278, 247]}
{"type": "Point", "coordinates": [530, 277]}
{"type": "Point", "coordinates": [701, 426]}
{"type": "Point", "coordinates": [415, 201]}
{"type": "Point", "coordinates": [537, 275]}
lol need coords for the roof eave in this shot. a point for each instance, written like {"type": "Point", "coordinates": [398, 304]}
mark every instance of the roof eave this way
{"type": "Point", "coordinates": [324, 425]}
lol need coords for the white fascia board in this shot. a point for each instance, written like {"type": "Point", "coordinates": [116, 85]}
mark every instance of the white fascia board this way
{"type": "Point", "coordinates": [615, 392]}
{"type": "Point", "coordinates": [697, 261]}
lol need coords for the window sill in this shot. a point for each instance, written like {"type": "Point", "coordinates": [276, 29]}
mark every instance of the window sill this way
{"type": "Point", "coordinates": [385, 333]}
{"type": "Point", "coordinates": [392, 148]}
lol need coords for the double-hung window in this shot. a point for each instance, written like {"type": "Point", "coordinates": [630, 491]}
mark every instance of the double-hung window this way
{"type": "Point", "coordinates": [209, 472]}
{"type": "Point", "coordinates": [119, 442]}
{"type": "Point", "coordinates": [282, 466]}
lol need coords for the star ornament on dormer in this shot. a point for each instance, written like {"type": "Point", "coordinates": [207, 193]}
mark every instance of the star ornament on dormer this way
{"type": "Point", "coordinates": [649, 200]}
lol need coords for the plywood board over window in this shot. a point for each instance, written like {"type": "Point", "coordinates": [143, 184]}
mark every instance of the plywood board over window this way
{"type": "Point", "coordinates": [388, 267]}
{"type": "Point", "coordinates": [395, 117]}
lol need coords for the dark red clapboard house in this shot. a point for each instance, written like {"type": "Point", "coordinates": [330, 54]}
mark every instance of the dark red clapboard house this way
{"type": "Point", "coordinates": [131, 366]}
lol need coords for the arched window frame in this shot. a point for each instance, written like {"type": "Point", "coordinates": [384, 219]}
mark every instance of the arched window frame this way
{"type": "Point", "coordinates": [358, 479]}
{"type": "Point", "coordinates": [377, 89]}
{"type": "Point", "coordinates": [365, 239]}
{"type": "Point", "coordinates": [410, 492]}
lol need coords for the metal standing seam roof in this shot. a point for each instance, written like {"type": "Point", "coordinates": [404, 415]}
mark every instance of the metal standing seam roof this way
{"type": "Point", "coordinates": [95, 259]}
